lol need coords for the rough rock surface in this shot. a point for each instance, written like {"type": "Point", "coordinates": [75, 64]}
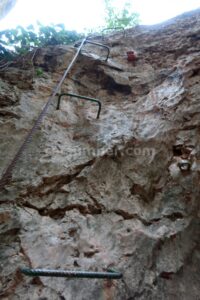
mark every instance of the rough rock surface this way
{"type": "Point", "coordinates": [120, 192]}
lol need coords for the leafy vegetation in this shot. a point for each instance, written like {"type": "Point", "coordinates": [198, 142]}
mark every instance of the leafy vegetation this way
{"type": "Point", "coordinates": [120, 18]}
{"type": "Point", "coordinates": [39, 72]}
{"type": "Point", "coordinates": [19, 41]}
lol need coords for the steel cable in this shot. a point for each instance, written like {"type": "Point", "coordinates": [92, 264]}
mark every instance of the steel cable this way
{"type": "Point", "coordinates": [7, 175]}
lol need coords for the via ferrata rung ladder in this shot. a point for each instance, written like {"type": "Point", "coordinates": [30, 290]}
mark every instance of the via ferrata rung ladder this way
{"type": "Point", "coordinates": [7, 175]}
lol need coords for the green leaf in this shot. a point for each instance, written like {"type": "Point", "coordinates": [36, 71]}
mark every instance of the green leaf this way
{"type": "Point", "coordinates": [125, 18]}
{"type": "Point", "coordinates": [20, 39]}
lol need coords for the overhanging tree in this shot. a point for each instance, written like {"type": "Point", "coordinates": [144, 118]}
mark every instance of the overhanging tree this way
{"type": "Point", "coordinates": [120, 18]}
{"type": "Point", "coordinates": [19, 41]}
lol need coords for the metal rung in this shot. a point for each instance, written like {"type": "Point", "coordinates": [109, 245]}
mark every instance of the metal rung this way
{"type": "Point", "coordinates": [80, 97]}
{"type": "Point", "coordinates": [110, 274]}
{"type": "Point", "coordinates": [100, 45]}
{"type": "Point", "coordinates": [96, 44]}
{"type": "Point", "coordinates": [7, 175]}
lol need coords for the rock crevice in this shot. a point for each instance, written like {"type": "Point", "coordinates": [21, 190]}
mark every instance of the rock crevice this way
{"type": "Point", "coordinates": [116, 192]}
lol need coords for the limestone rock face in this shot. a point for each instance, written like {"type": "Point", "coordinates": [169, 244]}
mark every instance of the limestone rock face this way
{"type": "Point", "coordinates": [119, 192]}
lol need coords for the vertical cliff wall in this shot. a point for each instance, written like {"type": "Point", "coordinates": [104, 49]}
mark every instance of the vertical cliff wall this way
{"type": "Point", "coordinates": [120, 192]}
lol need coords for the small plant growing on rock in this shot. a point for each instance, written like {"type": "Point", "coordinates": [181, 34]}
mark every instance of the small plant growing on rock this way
{"type": "Point", "coordinates": [39, 72]}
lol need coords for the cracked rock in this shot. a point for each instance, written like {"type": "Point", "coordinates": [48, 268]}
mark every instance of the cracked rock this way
{"type": "Point", "coordinates": [119, 192]}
